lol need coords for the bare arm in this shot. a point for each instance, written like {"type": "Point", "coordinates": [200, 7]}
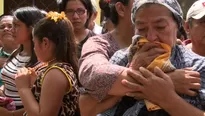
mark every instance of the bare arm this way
{"type": "Point", "coordinates": [46, 106]}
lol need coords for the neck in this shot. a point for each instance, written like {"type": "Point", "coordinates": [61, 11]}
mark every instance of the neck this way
{"type": "Point", "coordinates": [9, 49]}
{"type": "Point", "coordinates": [27, 50]}
{"type": "Point", "coordinates": [122, 35]}
{"type": "Point", "coordinates": [200, 51]}
{"type": "Point", "coordinates": [80, 34]}
{"type": "Point", "coordinates": [91, 27]}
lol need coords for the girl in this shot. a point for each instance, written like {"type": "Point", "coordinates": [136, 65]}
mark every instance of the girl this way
{"type": "Point", "coordinates": [24, 56]}
{"type": "Point", "coordinates": [56, 89]}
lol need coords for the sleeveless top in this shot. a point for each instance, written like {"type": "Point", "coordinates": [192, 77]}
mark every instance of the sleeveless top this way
{"type": "Point", "coordinates": [69, 106]}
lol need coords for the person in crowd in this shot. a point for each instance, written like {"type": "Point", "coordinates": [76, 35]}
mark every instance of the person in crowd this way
{"type": "Point", "coordinates": [195, 27]}
{"type": "Point", "coordinates": [6, 37]}
{"type": "Point", "coordinates": [103, 79]}
{"type": "Point", "coordinates": [79, 12]}
{"type": "Point", "coordinates": [106, 23]}
{"type": "Point", "coordinates": [92, 24]}
{"type": "Point", "coordinates": [157, 20]}
{"type": "Point", "coordinates": [24, 20]}
{"type": "Point", "coordinates": [55, 45]}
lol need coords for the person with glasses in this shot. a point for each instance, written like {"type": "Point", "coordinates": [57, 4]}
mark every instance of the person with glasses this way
{"type": "Point", "coordinates": [79, 12]}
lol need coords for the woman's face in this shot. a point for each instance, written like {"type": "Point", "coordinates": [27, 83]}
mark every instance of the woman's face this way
{"type": "Point", "coordinates": [5, 27]}
{"type": "Point", "coordinates": [21, 32]}
{"type": "Point", "coordinates": [76, 13]}
{"type": "Point", "coordinates": [6, 35]}
{"type": "Point", "coordinates": [156, 23]}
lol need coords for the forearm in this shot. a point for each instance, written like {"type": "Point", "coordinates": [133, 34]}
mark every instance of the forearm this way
{"type": "Point", "coordinates": [176, 106]}
{"type": "Point", "coordinates": [100, 79]}
{"type": "Point", "coordinates": [30, 104]}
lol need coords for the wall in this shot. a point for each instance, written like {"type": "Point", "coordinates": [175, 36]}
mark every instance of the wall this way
{"type": "Point", "coordinates": [1, 7]}
{"type": "Point", "coordinates": [99, 12]}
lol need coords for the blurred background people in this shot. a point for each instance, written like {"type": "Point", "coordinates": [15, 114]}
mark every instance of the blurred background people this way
{"type": "Point", "coordinates": [79, 12]}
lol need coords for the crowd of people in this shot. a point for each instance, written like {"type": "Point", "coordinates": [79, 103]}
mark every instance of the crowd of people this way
{"type": "Point", "coordinates": [144, 59]}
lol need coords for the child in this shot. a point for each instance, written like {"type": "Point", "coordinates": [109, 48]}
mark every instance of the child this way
{"type": "Point", "coordinates": [56, 89]}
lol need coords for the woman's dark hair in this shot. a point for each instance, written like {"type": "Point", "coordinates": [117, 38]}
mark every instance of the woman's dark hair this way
{"type": "Point", "coordinates": [87, 4]}
{"type": "Point", "coordinates": [62, 35]}
{"type": "Point", "coordinates": [113, 13]}
{"type": "Point", "coordinates": [29, 16]}
{"type": "Point", "coordinates": [104, 6]}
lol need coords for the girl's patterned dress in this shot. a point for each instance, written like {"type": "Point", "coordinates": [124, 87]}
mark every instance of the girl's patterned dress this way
{"type": "Point", "coordinates": [69, 106]}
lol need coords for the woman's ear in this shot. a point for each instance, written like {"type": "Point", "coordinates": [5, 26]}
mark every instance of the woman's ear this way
{"type": "Point", "coordinates": [187, 26]}
{"type": "Point", "coordinates": [120, 8]}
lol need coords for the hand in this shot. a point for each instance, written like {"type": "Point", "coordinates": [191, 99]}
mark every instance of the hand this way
{"type": "Point", "coordinates": [146, 55]}
{"type": "Point", "coordinates": [23, 78]}
{"type": "Point", "coordinates": [5, 112]}
{"type": "Point", "coordinates": [186, 81]}
{"type": "Point", "coordinates": [157, 87]}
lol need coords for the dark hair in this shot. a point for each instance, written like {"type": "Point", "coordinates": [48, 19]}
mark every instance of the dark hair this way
{"type": "Point", "coordinates": [29, 16]}
{"type": "Point", "coordinates": [113, 13]}
{"type": "Point", "coordinates": [87, 4]}
{"type": "Point", "coordinates": [62, 34]}
{"type": "Point", "coordinates": [104, 6]}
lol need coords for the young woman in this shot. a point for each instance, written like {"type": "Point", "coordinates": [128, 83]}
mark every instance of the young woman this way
{"type": "Point", "coordinates": [56, 88]}
{"type": "Point", "coordinates": [24, 56]}
{"type": "Point", "coordinates": [79, 13]}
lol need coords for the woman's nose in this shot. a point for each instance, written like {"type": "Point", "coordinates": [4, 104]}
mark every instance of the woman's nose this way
{"type": "Point", "coordinates": [151, 35]}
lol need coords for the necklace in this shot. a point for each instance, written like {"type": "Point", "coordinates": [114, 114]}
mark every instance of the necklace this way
{"type": "Point", "coordinates": [44, 64]}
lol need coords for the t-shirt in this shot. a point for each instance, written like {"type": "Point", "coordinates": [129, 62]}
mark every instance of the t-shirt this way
{"type": "Point", "coordinates": [8, 77]}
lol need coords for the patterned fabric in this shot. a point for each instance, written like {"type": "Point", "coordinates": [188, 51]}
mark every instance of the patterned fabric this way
{"type": "Point", "coordinates": [80, 45]}
{"type": "Point", "coordinates": [172, 5]}
{"type": "Point", "coordinates": [181, 57]}
{"type": "Point", "coordinates": [8, 74]}
{"type": "Point", "coordinates": [69, 106]}
{"type": "Point", "coordinates": [96, 73]}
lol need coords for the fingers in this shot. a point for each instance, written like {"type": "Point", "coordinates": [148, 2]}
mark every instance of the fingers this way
{"type": "Point", "coordinates": [194, 79]}
{"type": "Point", "coordinates": [146, 73]}
{"type": "Point", "coordinates": [195, 86]}
{"type": "Point", "coordinates": [148, 46]}
{"type": "Point", "coordinates": [158, 72]}
{"type": "Point", "coordinates": [128, 84]}
{"type": "Point", "coordinates": [155, 51]}
{"type": "Point", "coordinates": [136, 95]}
{"type": "Point", "coordinates": [137, 76]}
{"type": "Point", "coordinates": [191, 93]}
{"type": "Point", "coordinates": [194, 73]}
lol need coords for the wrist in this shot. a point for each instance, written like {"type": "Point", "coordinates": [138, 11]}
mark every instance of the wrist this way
{"type": "Point", "coordinates": [169, 101]}
{"type": "Point", "coordinates": [24, 90]}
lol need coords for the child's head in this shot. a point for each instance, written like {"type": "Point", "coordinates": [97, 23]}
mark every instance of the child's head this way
{"type": "Point", "coordinates": [54, 39]}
